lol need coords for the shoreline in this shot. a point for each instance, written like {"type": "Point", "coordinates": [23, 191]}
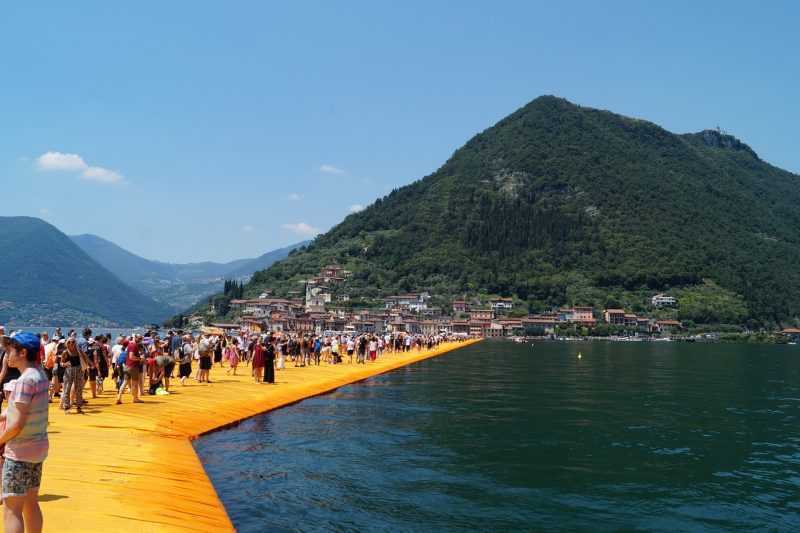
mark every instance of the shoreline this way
{"type": "Point", "coordinates": [133, 467]}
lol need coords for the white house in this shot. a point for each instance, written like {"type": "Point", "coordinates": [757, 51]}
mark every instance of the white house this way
{"type": "Point", "coordinates": [502, 304]}
{"type": "Point", "coordinates": [662, 300]}
{"type": "Point", "coordinates": [412, 301]}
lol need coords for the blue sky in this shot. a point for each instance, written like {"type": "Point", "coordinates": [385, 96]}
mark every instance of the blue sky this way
{"type": "Point", "coordinates": [189, 131]}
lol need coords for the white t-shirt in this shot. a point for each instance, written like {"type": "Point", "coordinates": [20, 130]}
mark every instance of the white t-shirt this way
{"type": "Point", "coordinates": [115, 351]}
{"type": "Point", "coordinates": [204, 347]}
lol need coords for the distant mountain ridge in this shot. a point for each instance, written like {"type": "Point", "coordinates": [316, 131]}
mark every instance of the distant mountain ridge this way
{"type": "Point", "coordinates": [562, 204]}
{"type": "Point", "coordinates": [176, 285]}
{"type": "Point", "coordinates": [46, 279]}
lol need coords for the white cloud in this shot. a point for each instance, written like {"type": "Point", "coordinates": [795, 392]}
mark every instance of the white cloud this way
{"type": "Point", "coordinates": [58, 161]}
{"type": "Point", "coordinates": [101, 175]}
{"type": "Point", "coordinates": [355, 208]}
{"type": "Point", "coordinates": [295, 197]}
{"type": "Point", "coordinates": [247, 228]}
{"type": "Point", "coordinates": [330, 169]}
{"type": "Point", "coordinates": [301, 228]}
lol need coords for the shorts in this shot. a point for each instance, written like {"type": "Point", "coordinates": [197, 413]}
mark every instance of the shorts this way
{"type": "Point", "coordinates": [169, 369]}
{"type": "Point", "coordinates": [19, 477]}
{"type": "Point", "coordinates": [92, 374]}
{"type": "Point", "coordinates": [60, 373]}
{"type": "Point", "coordinates": [205, 363]}
{"type": "Point", "coordinates": [49, 373]}
{"type": "Point", "coordinates": [185, 370]}
{"type": "Point", "coordinates": [132, 372]}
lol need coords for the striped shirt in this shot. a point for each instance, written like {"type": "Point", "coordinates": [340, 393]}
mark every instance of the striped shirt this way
{"type": "Point", "coordinates": [31, 444]}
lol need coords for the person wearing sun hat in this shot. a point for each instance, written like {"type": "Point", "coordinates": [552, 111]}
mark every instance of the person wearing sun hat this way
{"type": "Point", "coordinates": [24, 435]}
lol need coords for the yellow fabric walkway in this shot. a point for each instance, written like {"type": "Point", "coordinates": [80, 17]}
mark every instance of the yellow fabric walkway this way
{"type": "Point", "coordinates": [132, 467]}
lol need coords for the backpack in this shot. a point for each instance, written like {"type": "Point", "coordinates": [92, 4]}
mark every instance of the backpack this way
{"type": "Point", "coordinates": [123, 356]}
{"type": "Point", "coordinates": [186, 355]}
{"type": "Point", "coordinates": [51, 359]}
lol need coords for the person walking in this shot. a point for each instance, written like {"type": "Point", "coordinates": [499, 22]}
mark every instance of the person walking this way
{"type": "Point", "coordinates": [103, 359]}
{"type": "Point", "coordinates": [232, 355]}
{"type": "Point", "coordinates": [351, 347]}
{"type": "Point", "coordinates": [73, 360]}
{"type": "Point", "coordinates": [219, 349]}
{"type": "Point", "coordinates": [24, 436]}
{"type": "Point", "coordinates": [317, 350]}
{"type": "Point", "coordinates": [258, 361]}
{"type": "Point", "coordinates": [269, 362]}
{"type": "Point", "coordinates": [136, 349]}
{"type": "Point", "coordinates": [282, 348]}
{"type": "Point", "coordinates": [132, 372]}
{"type": "Point", "coordinates": [373, 349]}
{"type": "Point", "coordinates": [92, 353]}
{"type": "Point", "coordinates": [362, 350]}
{"type": "Point", "coordinates": [186, 353]}
{"type": "Point", "coordinates": [206, 348]}
{"type": "Point", "coordinates": [335, 350]}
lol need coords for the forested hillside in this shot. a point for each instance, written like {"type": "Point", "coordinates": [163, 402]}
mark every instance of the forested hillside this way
{"type": "Point", "coordinates": [561, 204]}
{"type": "Point", "coordinates": [46, 279]}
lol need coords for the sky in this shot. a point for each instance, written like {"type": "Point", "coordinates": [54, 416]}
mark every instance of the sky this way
{"type": "Point", "coordinates": [190, 131]}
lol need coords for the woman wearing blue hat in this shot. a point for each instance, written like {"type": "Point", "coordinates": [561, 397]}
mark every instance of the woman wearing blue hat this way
{"type": "Point", "coordinates": [25, 435]}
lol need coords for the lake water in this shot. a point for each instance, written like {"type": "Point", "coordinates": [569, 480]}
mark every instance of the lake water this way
{"type": "Point", "coordinates": [500, 436]}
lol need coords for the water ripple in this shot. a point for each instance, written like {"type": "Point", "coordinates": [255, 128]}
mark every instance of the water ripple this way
{"type": "Point", "coordinates": [502, 437]}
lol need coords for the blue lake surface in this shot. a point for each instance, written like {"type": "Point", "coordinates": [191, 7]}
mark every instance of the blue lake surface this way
{"type": "Point", "coordinates": [507, 437]}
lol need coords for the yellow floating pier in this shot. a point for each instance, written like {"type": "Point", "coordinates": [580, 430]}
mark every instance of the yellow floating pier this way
{"type": "Point", "coordinates": [132, 467]}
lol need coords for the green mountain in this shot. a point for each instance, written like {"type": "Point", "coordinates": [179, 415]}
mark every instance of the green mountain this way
{"type": "Point", "coordinates": [46, 279]}
{"type": "Point", "coordinates": [173, 284]}
{"type": "Point", "coordinates": [562, 204]}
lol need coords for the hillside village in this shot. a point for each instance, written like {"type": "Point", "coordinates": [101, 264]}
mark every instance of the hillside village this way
{"type": "Point", "coordinates": [324, 308]}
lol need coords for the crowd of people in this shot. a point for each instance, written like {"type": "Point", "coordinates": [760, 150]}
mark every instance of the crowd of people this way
{"type": "Point", "coordinates": [37, 369]}
{"type": "Point", "coordinates": [148, 364]}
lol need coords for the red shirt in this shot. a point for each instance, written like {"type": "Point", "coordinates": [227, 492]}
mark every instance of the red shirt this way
{"type": "Point", "coordinates": [133, 351]}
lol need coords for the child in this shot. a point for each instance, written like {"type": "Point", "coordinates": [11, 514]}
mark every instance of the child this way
{"type": "Point", "coordinates": [232, 355]}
